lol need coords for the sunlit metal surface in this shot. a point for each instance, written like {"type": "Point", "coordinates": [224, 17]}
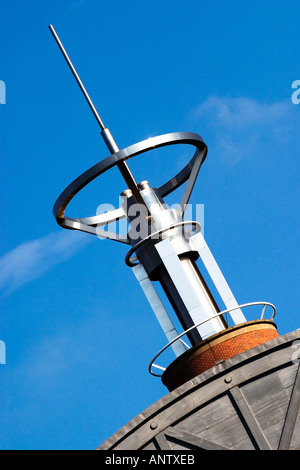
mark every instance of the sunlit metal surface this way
{"type": "Point", "coordinates": [167, 250]}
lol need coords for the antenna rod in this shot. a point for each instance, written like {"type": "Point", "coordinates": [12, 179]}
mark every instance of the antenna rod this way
{"type": "Point", "coordinates": [106, 134]}
{"type": "Point", "coordinates": [76, 76]}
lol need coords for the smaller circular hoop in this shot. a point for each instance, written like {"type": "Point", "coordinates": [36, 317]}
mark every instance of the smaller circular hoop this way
{"type": "Point", "coordinates": [154, 234]}
{"type": "Point", "coordinates": [249, 304]}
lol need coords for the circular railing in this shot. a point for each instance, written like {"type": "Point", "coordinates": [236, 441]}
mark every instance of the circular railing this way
{"type": "Point", "coordinates": [249, 304]}
{"type": "Point", "coordinates": [130, 262]}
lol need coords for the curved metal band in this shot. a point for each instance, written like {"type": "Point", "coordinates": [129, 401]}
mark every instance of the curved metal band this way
{"type": "Point", "coordinates": [130, 263]}
{"type": "Point", "coordinates": [249, 304]}
{"type": "Point", "coordinates": [89, 224]}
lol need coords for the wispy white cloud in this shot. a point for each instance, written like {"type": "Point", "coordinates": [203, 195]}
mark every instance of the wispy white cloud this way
{"type": "Point", "coordinates": [53, 355]}
{"type": "Point", "coordinates": [240, 125]}
{"type": "Point", "coordinates": [32, 259]}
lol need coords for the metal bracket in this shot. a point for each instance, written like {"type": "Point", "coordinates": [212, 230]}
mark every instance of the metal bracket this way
{"type": "Point", "coordinates": [196, 301]}
{"type": "Point", "coordinates": [158, 308]}
{"type": "Point", "coordinates": [199, 243]}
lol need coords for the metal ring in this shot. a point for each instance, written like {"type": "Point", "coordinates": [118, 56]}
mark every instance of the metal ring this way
{"type": "Point", "coordinates": [125, 154]}
{"type": "Point", "coordinates": [207, 320]}
{"type": "Point", "coordinates": [154, 234]}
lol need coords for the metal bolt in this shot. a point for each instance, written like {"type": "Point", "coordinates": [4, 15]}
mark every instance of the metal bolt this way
{"type": "Point", "coordinates": [143, 185]}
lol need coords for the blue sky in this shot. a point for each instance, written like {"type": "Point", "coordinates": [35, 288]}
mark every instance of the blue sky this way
{"type": "Point", "coordinates": [79, 333]}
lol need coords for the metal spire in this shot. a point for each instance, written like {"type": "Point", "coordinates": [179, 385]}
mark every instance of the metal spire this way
{"type": "Point", "coordinates": [166, 252]}
{"type": "Point", "coordinates": [106, 134]}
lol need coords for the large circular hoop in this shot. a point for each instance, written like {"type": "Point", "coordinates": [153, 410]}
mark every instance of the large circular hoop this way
{"type": "Point", "coordinates": [90, 224]}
